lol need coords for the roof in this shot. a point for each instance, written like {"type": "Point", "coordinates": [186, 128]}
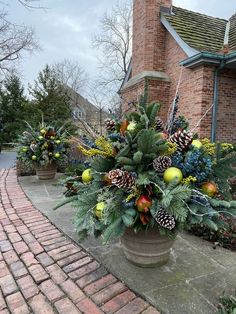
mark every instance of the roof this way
{"type": "Point", "coordinates": [232, 33]}
{"type": "Point", "coordinates": [200, 31]}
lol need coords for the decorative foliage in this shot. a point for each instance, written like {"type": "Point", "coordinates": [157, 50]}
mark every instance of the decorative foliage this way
{"type": "Point", "coordinates": [42, 146]}
{"type": "Point", "coordinates": [104, 148]}
{"type": "Point", "coordinates": [143, 178]}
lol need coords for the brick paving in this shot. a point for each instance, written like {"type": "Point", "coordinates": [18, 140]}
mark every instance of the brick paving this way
{"type": "Point", "coordinates": [43, 271]}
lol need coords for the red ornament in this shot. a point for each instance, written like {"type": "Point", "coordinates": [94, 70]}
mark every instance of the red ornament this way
{"type": "Point", "coordinates": [144, 219]}
{"type": "Point", "coordinates": [143, 203]}
{"type": "Point", "coordinates": [209, 188]}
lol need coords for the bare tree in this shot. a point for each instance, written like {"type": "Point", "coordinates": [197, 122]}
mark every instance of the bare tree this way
{"type": "Point", "coordinates": [71, 74]}
{"type": "Point", "coordinates": [114, 41]}
{"type": "Point", "coordinates": [14, 41]}
{"type": "Point", "coordinates": [31, 4]}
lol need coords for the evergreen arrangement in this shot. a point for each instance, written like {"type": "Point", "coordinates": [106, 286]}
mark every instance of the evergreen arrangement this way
{"type": "Point", "coordinates": [149, 174]}
{"type": "Point", "coordinates": [42, 146]}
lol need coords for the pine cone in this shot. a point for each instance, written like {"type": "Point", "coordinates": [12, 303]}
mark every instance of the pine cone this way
{"type": "Point", "coordinates": [122, 179]}
{"type": "Point", "coordinates": [110, 124]}
{"type": "Point", "coordinates": [161, 163]}
{"type": "Point", "coordinates": [182, 138]}
{"type": "Point", "coordinates": [164, 219]}
{"type": "Point", "coordinates": [160, 126]}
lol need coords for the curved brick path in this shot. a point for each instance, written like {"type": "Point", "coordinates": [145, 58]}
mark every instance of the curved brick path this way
{"type": "Point", "coordinates": [42, 271]}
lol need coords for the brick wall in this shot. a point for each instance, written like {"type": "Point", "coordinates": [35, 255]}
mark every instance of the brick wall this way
{"type": "Point", "coordinates": [195, 90]}
{"type": "Point", "coordinates": [196, 94]}
{"type": "Point", "coordinates": [154, 49]}
{"type": "Point", "coordinates": [148, 36]}
{"type": "Point", "coordinates": [226, 122]}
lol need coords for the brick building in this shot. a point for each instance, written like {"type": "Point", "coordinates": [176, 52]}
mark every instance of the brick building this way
{"type": "Point", "coordinates": [172, 45]}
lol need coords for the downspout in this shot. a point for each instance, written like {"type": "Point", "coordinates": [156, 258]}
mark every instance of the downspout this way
{"type": "Point", "coordinates": [216, 101]}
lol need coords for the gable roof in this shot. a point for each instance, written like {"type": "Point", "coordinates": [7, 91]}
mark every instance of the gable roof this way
{"type": "Point", "coordinates": [200, 31]}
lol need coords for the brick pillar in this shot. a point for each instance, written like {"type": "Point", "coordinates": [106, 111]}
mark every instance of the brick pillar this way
{"type": "Point", "coordinates": [148, 56]}
{"type": "Point", "coordinates": [148, 36]}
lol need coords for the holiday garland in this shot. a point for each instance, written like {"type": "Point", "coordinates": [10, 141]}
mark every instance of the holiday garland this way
{"type": "Point", "coordinates": [148, 174]}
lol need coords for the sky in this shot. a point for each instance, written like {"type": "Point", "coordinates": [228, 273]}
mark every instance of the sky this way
{"type": "Point", "coordinates": [65, 29]}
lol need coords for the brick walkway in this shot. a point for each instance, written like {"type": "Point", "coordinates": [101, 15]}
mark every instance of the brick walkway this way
{"type": "Point", "coordinates": [42, 271]}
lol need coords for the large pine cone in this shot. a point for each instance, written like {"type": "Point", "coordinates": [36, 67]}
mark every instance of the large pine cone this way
{"type": "Point", "coordinates": [122, 179]}
{"type": "Point", "coordinates": [160, 126]}
{"type": "Point", "coordinates": [182, 138]}
{"type": "Point", "coordinates": [161, 163]}
{"type": "Point", "coordinates": [164, 219]}
{"type": "Point", "coordinates": [110, 124]}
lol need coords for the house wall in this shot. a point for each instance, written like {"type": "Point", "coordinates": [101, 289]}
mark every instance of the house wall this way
{"type": "Point", "coordinates": [195, 88]}
{"type": "Point", "coordinates": [158, 91]}
{"type": "Point", "coordinates": [226, 122]}
{"type": "Point", "coordinates": [154, 49]}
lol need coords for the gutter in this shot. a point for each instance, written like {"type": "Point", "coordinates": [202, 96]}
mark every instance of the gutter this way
{"type": "Point", "coordinates": [220, 61]}
{"type": "Point", "coordinates": [209, 58]}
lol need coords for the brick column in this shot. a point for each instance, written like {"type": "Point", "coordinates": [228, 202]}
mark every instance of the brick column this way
{"type": "Point", "coordinates": [148, 56]}
{"type": "Point", "coordinates": [148, 36]}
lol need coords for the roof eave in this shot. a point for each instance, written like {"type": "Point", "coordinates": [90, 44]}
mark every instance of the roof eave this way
{"type": "Point", "coordinates": [208, 58]}
{"type": "Point", "coordinates": [185, 47]}
{"type": "Point", "coordinates": [127, 76]}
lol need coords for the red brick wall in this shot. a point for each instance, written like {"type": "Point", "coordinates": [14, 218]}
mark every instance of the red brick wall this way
{"type": "Point", "coordinates": [157, 91]}
{"type": "Point", "coordinates": [195, 90]}
{"type": "Point", "coordinates": [154, 49]}
{"type": "Point", "coordinates": [226, 122]}
{"type": "Point", "coordinates": [148, 36]}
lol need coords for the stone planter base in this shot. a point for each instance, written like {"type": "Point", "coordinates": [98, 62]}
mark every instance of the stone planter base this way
{"type": "Point", "coordinates": [46, 173]}
{"type": "Point", "coordinates": [146, 248]}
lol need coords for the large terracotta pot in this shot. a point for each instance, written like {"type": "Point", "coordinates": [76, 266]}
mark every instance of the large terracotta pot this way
{"type": "Point", "coordinates": [146, 248]}
{"type": "Point", "coordinates": [46, 172]}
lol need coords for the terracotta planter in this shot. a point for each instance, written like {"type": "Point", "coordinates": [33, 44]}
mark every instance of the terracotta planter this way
{"type": "Point", "coordinates": [146, 248]}
{"type": "Point", "coordinates": [46, 172]}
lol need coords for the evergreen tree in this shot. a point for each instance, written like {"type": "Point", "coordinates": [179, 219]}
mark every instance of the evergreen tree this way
{"type": "Point", "coordinates": [51, 97]}
{"type": "Point", "coordinates": [14, 109]}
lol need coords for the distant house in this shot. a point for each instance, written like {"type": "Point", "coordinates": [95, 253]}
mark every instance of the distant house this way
{"type": "Point", "coordinates": [174, 47]}
{"type": "Point", "coordinates": [84, 110]}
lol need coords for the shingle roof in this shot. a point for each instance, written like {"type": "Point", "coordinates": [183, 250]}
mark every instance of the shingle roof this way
{"type": "Point", "coordinates": [199, 31]}
{"type": "Point", "coordinates": [232, 33]}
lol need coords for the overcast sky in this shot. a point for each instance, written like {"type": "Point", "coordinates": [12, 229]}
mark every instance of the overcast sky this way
{"type": "Point", "coordinates": [64, 30]}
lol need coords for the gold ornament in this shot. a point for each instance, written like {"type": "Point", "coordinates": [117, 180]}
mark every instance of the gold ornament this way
{"type": "Point", "coordinates": [87, 176]}
{"type": "Point", "coordinates": [99, 209]}
{"type": "Point", "coordinates": [173, 174]}
{"type": "Point", "coordinates": [197, 143]}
